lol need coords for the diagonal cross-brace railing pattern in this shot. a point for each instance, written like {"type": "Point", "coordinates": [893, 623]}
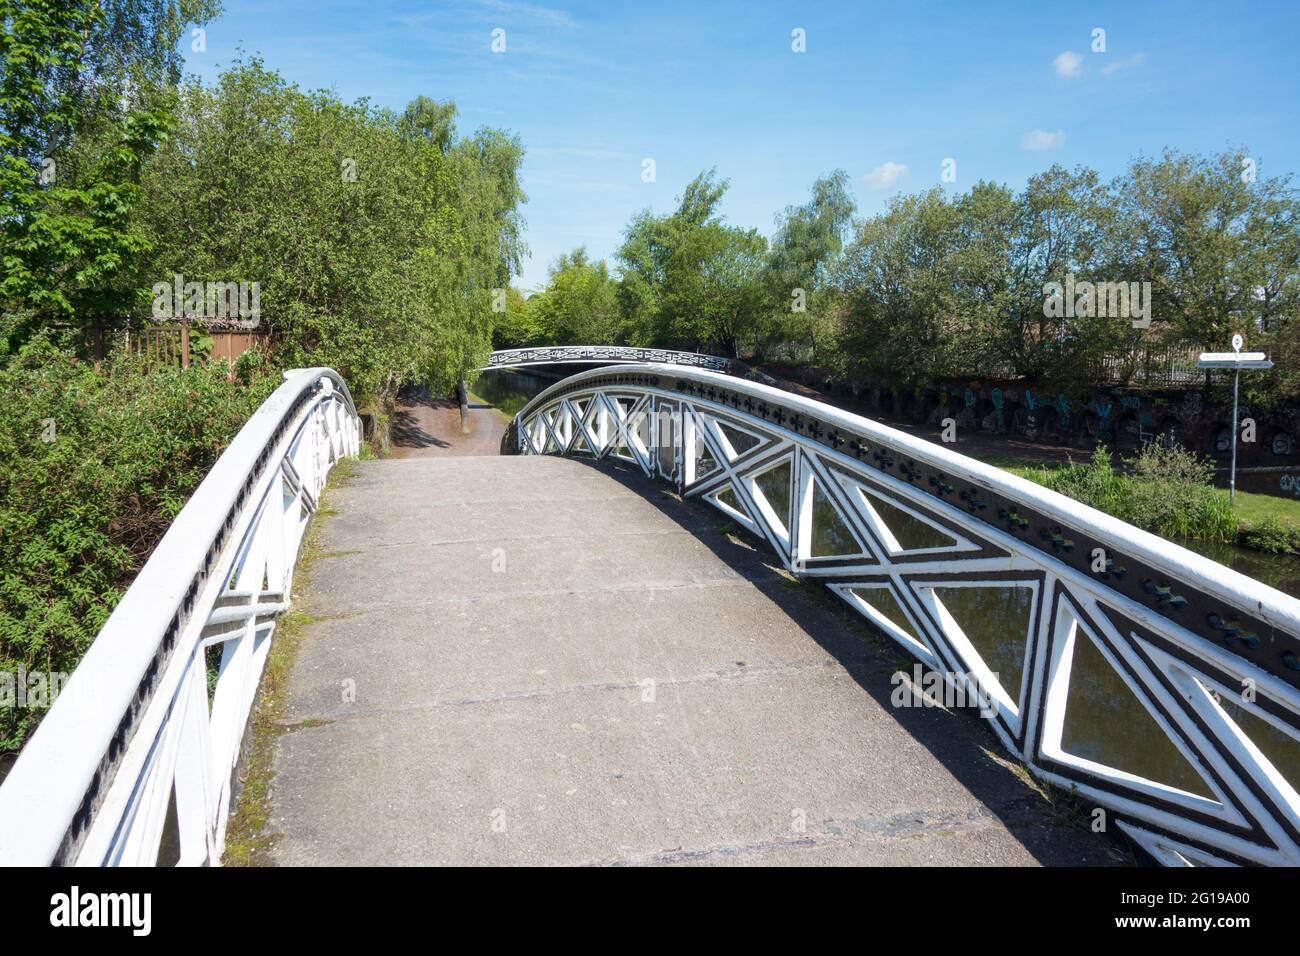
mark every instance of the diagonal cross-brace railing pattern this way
{"type": "Point", "coordinates": [604, 355]}
{"type": "Point", "coordinates": [1159, 685]}
{"type": "Point", "coordinates": [133, 763]}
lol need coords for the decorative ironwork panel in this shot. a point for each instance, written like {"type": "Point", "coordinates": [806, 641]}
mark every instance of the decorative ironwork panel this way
{"type": "Point", "coordinates": [605, 355]}
{"type": "Point", "coordinates": [1162, 686]}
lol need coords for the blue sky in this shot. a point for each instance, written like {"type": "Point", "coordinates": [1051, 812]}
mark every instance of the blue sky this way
{"type": "Point", "coordinates": [885, 91]}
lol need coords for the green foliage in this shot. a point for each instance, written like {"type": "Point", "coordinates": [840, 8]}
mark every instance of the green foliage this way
{"type": "Point", "coordinates": [579, 304]}
{"type": "Point", "coordinates": [1272, 535]}
{"type": "Point", "coordinates": [689, 280]}
{"type": "Point", "coordinates": [93, 468]}
{"type": "Point", "coordinates": [85, 96]}
{"type": "Point", "coordinates": [1186, 221]}
{"type": "Point", "coordinates": [377, 239]}
{"type": "Point", "coordinates": [800, 270]}
{"type": "Point", "coordinates": [713, 296]}
{"type": "Point", "coordinates": [899, 297]}
{"type": "Point", "coordinates": [1166, 491]}
{"type": "Point", "coordinates": [942, 286]}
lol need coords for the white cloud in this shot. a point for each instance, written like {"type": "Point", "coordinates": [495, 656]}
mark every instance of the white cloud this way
{"type": "Point", "coordinates": [1041, 139]}
{"type": "Point", "coordinates": [1137, 59]}
{"type": "Point", "coordinates": [1068, 63]}
{"type": "Point", "coordinates": [530, 11]}
{"type": "Point", "coordinates": [885, 175]}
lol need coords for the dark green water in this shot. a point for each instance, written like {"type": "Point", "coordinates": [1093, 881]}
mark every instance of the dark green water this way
{"type": "Point", "coordinates": [1281, 571]}
{"type": "Point", "coordinates": [509, 389]}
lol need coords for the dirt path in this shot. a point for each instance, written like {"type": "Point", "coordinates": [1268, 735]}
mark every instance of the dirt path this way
{"type": "Point", "coordinates": [427, 427]}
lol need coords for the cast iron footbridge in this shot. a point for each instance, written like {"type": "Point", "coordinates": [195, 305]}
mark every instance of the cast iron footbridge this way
{"type": "Point", "coordinates": [573, 654]}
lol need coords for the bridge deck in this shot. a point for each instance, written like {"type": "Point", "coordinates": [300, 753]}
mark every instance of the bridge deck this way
{"type": "Point", "coordinates": [500, 619]}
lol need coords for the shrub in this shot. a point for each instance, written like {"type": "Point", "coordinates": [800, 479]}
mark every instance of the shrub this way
{"type": "Point", "coordinates": [1096, 483]}
{"type": "Point", "coordinates": [1166, 491]}
{"type": "Point", "coordinates": [1171, 492]}
{"type": "Point", "coordinates": [1272, 535]}
{"type": "Point", "coordinates": [93, 468]}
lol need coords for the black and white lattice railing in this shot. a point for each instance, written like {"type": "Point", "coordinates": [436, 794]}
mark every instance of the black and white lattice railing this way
{"type": "Point", "coordinates": [604, 355]}
{"type": "Point", "coordinates": [1158, 684]}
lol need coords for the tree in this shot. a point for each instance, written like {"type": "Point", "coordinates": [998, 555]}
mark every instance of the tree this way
{"type": "Point", "coordinates": [649, 245]}
{"type": "Point", "coordinates": [1182, 221]}
{"type": "Point", "coordinates": [900, 319]}
{"type": "Point", "coordinates": [1061, 221]}
{"type": "Point", "coordinates": [518, 325]}
{"type": "Point", "coordinates": [85, 95]}
{"type": "Point", "coordinates": [713, 290]}
{"type": "Point", "coordinates": [378, 239]}
{"type": "Point", "coordinates": [802, 260]}
{"type": "Point", "coordinates": [580, 303]}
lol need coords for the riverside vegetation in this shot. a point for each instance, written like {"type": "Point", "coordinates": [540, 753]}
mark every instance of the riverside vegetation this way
{"type": "Point", "coordinates": [1169, 491]}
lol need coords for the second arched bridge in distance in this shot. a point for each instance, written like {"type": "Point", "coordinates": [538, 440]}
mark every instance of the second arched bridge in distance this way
{"type": "Point", "coordinates": [606, 355]}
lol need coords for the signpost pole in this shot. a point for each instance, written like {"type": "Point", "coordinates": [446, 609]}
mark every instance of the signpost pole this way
{"type": "Point", "coordinates": [1236, 361]}
{"type": "Point", "coordinates": [1232, 478]}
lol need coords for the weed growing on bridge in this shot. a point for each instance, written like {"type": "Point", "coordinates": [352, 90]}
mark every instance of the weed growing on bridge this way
{"type": "Point", "coordinates": [247, 842]}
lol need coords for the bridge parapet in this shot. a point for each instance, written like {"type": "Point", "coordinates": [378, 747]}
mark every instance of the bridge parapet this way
{"type": "Point", "coordinates": [138, 751]}
{"type": "Point", "coordinates": [605, 355]}
{"type": "Point", "coordinates": [1161, 686]}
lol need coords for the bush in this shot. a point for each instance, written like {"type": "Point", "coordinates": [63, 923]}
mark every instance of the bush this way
{"type": "Point", "coordinates": [1171, 492]}
{"type": "Point", "coordinates": [93, 468]}
{"type": "Point", "coordinates": [1096, 483]}
{"type": "Point", "coordinates": [1167, 491]}
{"type": "Point", "coordinates": [1272, 535]}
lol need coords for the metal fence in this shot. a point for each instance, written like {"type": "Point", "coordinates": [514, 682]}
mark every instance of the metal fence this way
{"type": "Point", "coordinates": [1150, 681]}
{"type": "Point", "coordinates": [1169, 367]}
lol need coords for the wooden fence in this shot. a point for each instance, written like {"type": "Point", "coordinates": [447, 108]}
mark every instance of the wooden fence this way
{"type": "Point", "coordinates": [174, 344]}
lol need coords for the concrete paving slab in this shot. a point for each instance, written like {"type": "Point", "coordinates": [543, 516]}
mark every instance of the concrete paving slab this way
{"type": "Point", "coordinates": [632, 687]}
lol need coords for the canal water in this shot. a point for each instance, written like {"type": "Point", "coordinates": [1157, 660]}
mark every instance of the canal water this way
{"type": "Point", "coordinates": [1281, 571]}
{"type": "Point", "coordinates": [510, 389]}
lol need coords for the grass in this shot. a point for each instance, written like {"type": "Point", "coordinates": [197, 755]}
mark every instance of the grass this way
{"type": "Point", "coordinates": [1016, 464]}
{"type": "Point", "coordinates": [247, 842]}
{"type": "Point", "coordinates": [1255, 508]}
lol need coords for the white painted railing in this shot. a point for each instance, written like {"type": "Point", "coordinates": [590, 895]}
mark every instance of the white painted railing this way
{"type": "Point", "coordinates": [604, 355]}
{"type": "Point", "coordinates": [133, 763]}
{"type": "Point", "coordinates": [1154, 683]}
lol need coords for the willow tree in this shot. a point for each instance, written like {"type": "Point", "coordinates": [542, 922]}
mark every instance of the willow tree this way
{"type": "Point", "coordinates": [801, 264]}
{"type": "Point", "coordinates": [377, 238]}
